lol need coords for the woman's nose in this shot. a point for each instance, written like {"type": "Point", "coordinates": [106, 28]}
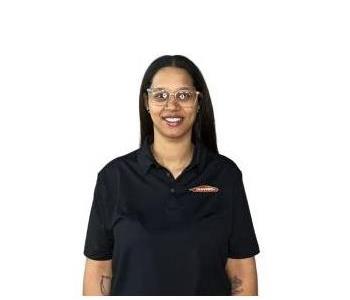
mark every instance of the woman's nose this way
{"type": "Point", "coordinates": [171, 103]}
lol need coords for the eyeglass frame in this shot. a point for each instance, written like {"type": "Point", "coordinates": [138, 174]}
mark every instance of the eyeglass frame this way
{"type": "Point", "coordinates": [150, 89]}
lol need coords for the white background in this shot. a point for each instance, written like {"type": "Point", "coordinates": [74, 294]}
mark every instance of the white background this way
{"type": "Point", "coordinates": [278, 74]}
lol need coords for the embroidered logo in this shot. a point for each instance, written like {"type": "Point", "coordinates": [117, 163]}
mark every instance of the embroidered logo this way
{"type": "Point", "coordinates": [204, 189]}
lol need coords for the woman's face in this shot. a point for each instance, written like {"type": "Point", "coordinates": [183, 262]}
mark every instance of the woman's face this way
{"type": "Point", "coordinates": [172, 78]}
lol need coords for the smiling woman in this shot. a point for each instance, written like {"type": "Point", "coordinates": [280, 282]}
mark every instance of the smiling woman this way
{"type": "Point", "coordinates": [171, 217]}
{"type": "Point", "coordinates": [167, 115]}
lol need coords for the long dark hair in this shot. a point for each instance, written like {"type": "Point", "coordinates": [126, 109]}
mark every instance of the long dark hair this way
{"type": "Point", "coordinates": [204, 125]}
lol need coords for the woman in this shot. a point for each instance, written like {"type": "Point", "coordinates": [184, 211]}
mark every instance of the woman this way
{"type": "Point", "coordinates": [171, 217]}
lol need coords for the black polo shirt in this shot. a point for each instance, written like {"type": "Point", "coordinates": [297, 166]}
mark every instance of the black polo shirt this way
{"type": "Point", "coordinates": [169, 236]}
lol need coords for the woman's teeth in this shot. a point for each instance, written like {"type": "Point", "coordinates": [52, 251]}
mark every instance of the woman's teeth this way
{"type": "Point", "coordinates": [173, 121]}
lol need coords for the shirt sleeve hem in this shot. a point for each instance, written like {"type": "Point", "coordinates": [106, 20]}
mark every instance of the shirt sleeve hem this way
{"type": "Point", "coordinates": [97, 256]}
{"type": "Point", "coordinates": [244, 255]}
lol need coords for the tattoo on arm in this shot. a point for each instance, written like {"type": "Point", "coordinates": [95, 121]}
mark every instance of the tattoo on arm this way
{"type": "Point", "coordinates": [236, 286]}
{"type": "Point", "coordinates": [105, 284]}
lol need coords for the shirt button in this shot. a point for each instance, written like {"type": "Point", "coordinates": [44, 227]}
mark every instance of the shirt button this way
{"type": "Point", "coordinates": [168, 174]}
{"type": "Point", "coordinates": [172, 190]}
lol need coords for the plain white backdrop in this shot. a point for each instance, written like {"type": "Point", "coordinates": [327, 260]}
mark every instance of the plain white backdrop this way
{"type": "Point", "coordinates": [278, 75]}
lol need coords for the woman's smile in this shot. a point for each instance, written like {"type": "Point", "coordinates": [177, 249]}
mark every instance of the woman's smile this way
{"type": "Point", "coordinates": [173, 121]}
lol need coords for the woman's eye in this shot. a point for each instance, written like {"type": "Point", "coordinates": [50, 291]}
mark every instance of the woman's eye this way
{"type": "Point", "coordinates": [184, 95]}
{"type": "Point", "coordinates": [160, 95]}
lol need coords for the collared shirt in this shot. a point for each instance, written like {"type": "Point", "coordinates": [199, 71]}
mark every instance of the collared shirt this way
{"type": "Point", "coordinates": [170, 236]}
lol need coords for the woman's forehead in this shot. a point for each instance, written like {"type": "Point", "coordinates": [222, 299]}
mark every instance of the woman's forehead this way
{"type": "Point", "coordinates": [172, 77]}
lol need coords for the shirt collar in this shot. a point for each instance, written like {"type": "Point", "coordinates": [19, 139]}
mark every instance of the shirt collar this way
{"type": "Point", "coordinates": [146, 159]}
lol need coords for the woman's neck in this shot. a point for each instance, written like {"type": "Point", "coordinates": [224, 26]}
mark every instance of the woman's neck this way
{"type": "Point", "coordinates": [174, 154]}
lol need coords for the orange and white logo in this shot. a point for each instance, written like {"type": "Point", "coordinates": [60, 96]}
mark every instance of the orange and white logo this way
{"type": "Point", "coordinates": [204, 189]}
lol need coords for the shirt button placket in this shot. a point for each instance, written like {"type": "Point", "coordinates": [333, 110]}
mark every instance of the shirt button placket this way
{"type": "Point", "coordinates": [172, 201]}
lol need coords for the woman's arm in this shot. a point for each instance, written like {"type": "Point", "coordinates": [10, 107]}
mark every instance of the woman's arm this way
{"type": "Point", "coordinates": [97, 277]}
{"type": "Point", "coordinates": [243, 276]}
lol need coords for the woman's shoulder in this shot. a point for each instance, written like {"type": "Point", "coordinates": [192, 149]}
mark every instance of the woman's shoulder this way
{"type": "Point", "coordinates": [110, 167]}
{"type": "Point", "coordinates": [229, 165]}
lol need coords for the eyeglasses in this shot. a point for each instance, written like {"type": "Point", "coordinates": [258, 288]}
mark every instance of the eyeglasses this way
{"type": "Point", "coordinates": [186, 97]}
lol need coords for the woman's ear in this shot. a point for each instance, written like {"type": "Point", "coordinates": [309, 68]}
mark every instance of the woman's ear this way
{"type": "Point", "coordinates": [145, 102]}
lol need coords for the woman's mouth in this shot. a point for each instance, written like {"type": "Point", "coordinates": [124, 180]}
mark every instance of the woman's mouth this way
{"type": "Point", "coordinates": [173, 121]}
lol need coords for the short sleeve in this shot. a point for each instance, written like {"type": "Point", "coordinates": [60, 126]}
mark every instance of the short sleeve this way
{"type": "Point", "coordinates": [242, 241]}
{"type": "Point", "coordinates": [98, 241]}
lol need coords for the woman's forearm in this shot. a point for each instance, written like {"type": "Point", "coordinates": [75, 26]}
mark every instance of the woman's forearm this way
{"type": "Point", "coordinates": [97, 278]}
{"type": "Point", "coordinates": [244, 286]}
{"type": "Point", "coordinates": [243, 276]}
